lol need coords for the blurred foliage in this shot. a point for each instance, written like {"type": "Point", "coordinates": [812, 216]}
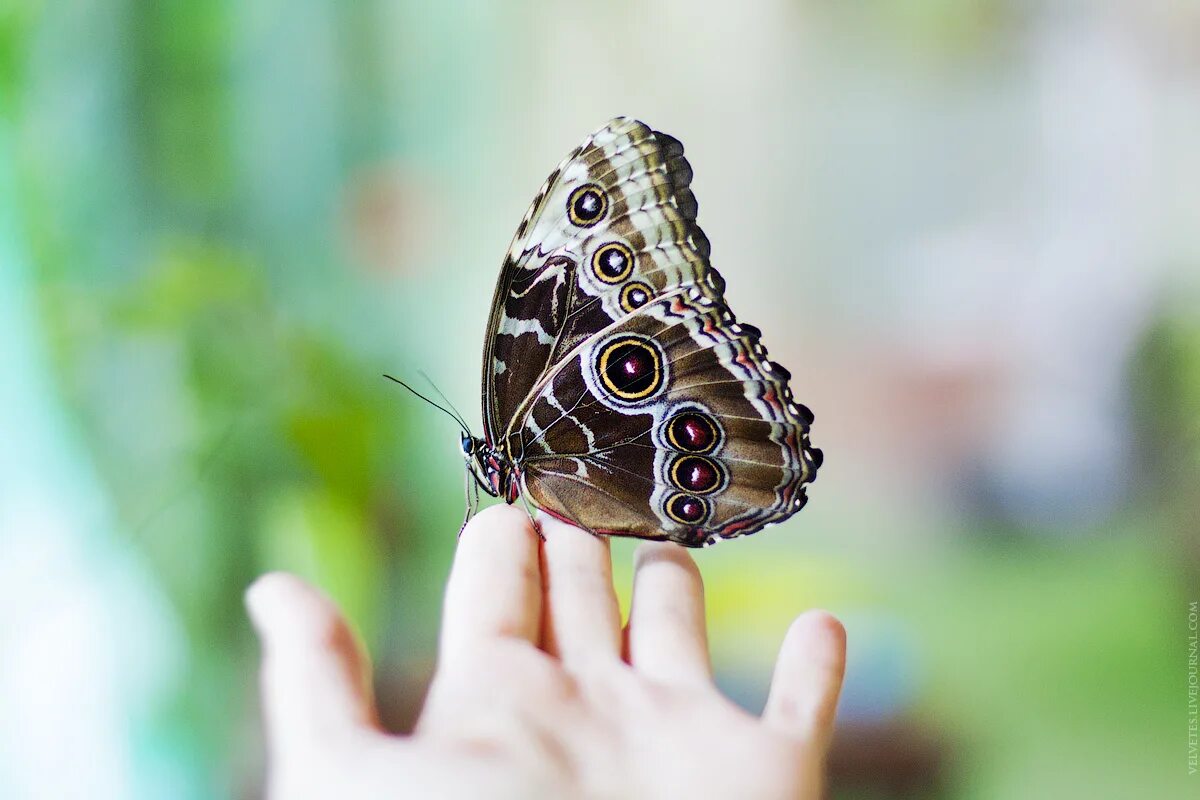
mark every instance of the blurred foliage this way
{"type": "Point", "coordinates": [179, 71]}
{"type": "Point", "coordinates": [1165, 389]}
{"type": "Point", "coordinates": [274, 454]}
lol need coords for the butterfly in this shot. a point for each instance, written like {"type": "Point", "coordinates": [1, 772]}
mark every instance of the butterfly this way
{"type": "Point", "coordinates": [620, 393]}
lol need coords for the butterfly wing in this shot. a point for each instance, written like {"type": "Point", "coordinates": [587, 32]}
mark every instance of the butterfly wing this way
{"type": "Point", "coordinates": [625, 391]}
{"type": "Point", "coordinates": [612, 227]}
{"type": "Point", "coordinates": [670, 424]}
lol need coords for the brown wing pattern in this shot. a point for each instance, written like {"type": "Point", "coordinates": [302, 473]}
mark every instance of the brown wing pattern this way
{"type": "Point", "coordinates": [629, 398]}
{"type": "Point", "coordinates": [693, 436]}
{"type": "Point", "coordinates": [612, 227]}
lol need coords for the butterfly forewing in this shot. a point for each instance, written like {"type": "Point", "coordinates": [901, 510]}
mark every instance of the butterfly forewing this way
{"type": "Point", "coordinates": [618, 205]}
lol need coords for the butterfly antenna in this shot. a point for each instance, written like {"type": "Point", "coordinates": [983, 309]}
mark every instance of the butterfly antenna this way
{"type": "Point", "coordinates": [457, 418]}
{"type": "Point", "coordinates": [461, 420]}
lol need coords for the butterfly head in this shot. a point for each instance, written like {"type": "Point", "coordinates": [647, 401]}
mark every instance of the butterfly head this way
{"type": "Point", "coordinates": [491, 467]}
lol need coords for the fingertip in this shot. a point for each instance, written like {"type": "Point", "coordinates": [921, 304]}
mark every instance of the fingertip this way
{"type": "Point", "coordinates": [668, 639]}
{"type": "Point", "coordinates": [551, 525]}
{"type": "Point", "coordinates": [808, 678]}
{"type": "Point", "coordinates": [817, 639]}
{"type": "Point", "coordinates": [818, 632]}
{"type": "Point", "coordinates": [583, 620]}
{"type": "Point", "coordinates": [495, 585]}
{"type": "Point", "coordinates": [559, 534]}
{"type": "Point", "coordinates": [284, 608]}
{"type": "Point", "coordinates": [500, 520]}
{"type": "Point", "coordinates": [499, 534]}
{"type": "Point", "coordinates": [314, 675]}
{"type": "Point", "coordinates": [650, 553]}
{"type": "Point", "coordinates": [266, 596]}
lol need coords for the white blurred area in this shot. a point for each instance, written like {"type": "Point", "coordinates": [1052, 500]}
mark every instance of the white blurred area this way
{"type": "Point", "coordinates": [89, 650]}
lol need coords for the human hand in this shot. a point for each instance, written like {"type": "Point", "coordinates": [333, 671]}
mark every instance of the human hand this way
{"type": "Point", "coordinates": [538, 690]}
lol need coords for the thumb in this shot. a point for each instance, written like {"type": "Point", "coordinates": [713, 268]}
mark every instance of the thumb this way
{"type": "Point", "coordinates": [314, 678]}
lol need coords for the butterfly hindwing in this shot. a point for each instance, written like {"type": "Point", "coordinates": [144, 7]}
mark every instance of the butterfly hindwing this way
{"type": "Point", "coordinates": [671, 424]}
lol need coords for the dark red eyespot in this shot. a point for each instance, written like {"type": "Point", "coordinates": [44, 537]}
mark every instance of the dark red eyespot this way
{"type": "Point", "coordinates": [696, 474]}
{"type": "Point", "coordinates": [687, 509]}
{"type": "Point", "coordinates": [692, 432]}
{"type": "Point", "coordinates": [630, 368]}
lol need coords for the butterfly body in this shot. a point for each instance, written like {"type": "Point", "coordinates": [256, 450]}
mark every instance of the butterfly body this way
{"type": "Point", "coordinates": [620, 392]}
{"type": "Point", "coordinates": [492, 468]}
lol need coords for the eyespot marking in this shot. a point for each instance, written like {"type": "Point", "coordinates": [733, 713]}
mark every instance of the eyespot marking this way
{"type": "Point", "coordinates": [634, 295]}
{"type": "Point", "coordinates": [587, 205]}
{"type": "Point", "coordinates": [612, 262]}
{"type": "Point", "coordinates": [693, 432]}
{"type": "Point", "coordinates": [630, 368]}
{"type": "Point", "coordinates": [687, 509]}
{"type": "Point", "coordinates": [696, 474]}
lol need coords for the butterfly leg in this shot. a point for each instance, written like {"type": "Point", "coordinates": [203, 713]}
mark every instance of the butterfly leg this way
{"type": "Point", "coordinates": [569, 518]}
{"type": "Point", "coordinates": [524, 495]}
{"type": "Point", "coordinates": [472, 502]}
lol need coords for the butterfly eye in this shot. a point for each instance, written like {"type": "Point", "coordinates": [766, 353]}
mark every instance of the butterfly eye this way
{"type": "Point", "coordinates": [630, 368]}
{"type": "Point", "coordinates": [686, 508]}
{"type": "Point", "coordinates": [587, 205]}
{"type": "Point", "coordinates": [697, 474]}
{"type": "Point", "coordinates": [613, 262]}
{"type": "Point", "coordinates": [634, 295]}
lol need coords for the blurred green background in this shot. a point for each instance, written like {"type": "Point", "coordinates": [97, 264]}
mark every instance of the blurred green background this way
{"type": "Point", "coordinates": [968, 227]}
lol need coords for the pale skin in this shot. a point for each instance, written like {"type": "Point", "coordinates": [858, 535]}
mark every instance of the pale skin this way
{"type": "Point", "coordinates": [539, 690]}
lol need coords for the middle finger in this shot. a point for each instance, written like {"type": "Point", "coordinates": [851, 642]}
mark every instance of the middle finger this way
{"type": "Point", "coordinates": [582, 617]}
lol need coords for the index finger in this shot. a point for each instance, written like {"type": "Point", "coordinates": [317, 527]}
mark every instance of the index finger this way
{"type": "Point", "coordinates": [495, 586]}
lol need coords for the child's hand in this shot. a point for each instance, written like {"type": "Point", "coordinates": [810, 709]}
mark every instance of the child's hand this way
{"type": "Point", "coordinates": [538, 691]}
